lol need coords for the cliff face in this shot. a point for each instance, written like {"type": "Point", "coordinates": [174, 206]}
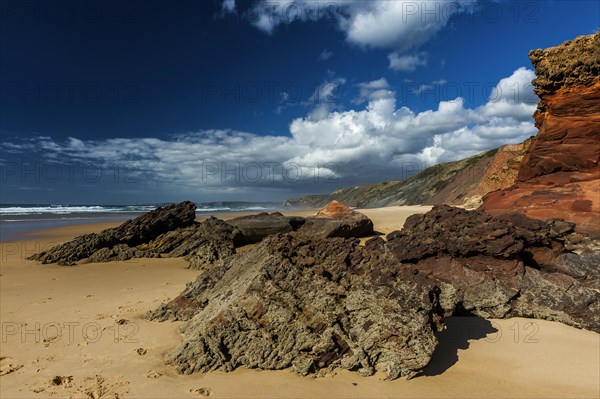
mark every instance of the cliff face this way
{"type": "Point", "coordinates": [560, 173]}
{"type": "Point", "coordinates": [461, 182]}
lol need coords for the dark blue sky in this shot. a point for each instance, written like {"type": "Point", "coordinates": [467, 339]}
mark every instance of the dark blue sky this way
{"type": "Point", "coordinates": [76, 74]}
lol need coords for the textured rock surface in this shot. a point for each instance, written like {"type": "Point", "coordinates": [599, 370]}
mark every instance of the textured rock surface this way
{"type": "Point", "coordinates": [308, 305]}
{"type": "Point", "coordinates": [254, 228]}
{"type": "Point", "coordinates": [560, 173]}
{"type": "Point", "coordinates": [337, 220]}
{"type": "Point", "coordinates": [132, 233]}
{"type": "Point", "coordinates": [312, 304]}
{"type": "Point", "coordinates": [502, 267]}
{"type": "Point", "coordinates": [202, 244]}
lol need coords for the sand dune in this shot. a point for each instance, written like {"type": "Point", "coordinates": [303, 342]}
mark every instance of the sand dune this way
{"type": "Point", "coordinates": [86, 336]}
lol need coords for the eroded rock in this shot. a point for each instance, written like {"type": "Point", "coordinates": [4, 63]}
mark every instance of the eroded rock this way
{"type": "Point", "coordinates": [142, 229]}
{"type": "Point", "coordinates": [337, 220]}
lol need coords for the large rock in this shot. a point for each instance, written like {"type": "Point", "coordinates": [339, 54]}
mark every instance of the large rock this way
{"type": "Point", "coordinates": [132, 233]}
{"type": "Point", "coordinates": [337, 220]}
{"type": "Point", "coordinates": [312, 304]}
{"type": "Point", "coordinates": [293, 302]}
{"type": "Point", "coordinates": [253, 228]}
{"type": "Point", "coordinates": [560, 173]}
{"type": "Point", "coordinates": [502, 267]}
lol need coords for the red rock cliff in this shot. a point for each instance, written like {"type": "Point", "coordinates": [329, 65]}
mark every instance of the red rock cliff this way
{"type": "Point", "coordinates": [560, 173]}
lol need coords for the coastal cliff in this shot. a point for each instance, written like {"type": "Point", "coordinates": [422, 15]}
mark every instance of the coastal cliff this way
{"type": "Point", "coordinates": [560, 172]}
{"type": "Point", "coordinates": [461, 182]}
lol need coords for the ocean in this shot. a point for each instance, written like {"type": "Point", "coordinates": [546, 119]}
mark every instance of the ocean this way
{"type": "Point", "coordinates": [17, 220]}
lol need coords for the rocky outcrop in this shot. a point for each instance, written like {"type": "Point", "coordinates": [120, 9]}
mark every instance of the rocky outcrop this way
{"type": "Point", "coordinates": [254, 228]}
{"type": "Point", "coordinates": [202, 244]}
{"type": "Point", "coordinates": [172, 232]}
{"type": "Point", "coordinates": [560, 173]}
{"type": "Point", "coordinates": [337, 220]}
{"type": "Point", "coordinates": [318, 304]}
{"type": "Point", "coordinates": [503, 266]}
{"type": "Point", "coordinates": [308, 305]}
{"type": "Point", "coordinates": [112, 242]}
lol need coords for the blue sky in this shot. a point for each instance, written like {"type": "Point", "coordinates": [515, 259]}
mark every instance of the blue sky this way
{"type": "Point", "coordinates": [137, 101]}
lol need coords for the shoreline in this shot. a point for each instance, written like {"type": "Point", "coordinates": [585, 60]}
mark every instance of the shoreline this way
{"type": "Point", "coordinates": [476, 357]}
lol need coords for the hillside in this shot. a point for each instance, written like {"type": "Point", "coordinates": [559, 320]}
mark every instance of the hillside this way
{"type": "Point", "coordinates": [461, 182]}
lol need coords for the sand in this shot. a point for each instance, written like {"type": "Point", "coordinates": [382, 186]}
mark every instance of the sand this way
{"type": "Point", "coordinates": [93, 336]}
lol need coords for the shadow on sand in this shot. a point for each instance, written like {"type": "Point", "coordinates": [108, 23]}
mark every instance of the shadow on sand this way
{"type": "Point", "coordinates": [459, 330]}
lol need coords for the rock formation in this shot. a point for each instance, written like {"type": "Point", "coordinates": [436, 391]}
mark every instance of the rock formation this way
{"type": "Point", "coordinates": [254, 228]}
{"type": "Point", "coordinates": [503, 266]}
{"type": "Point", "coordinates": [560, 173]}
{"type": "Point", "coordinates": [116, 243]}
{"type": "Point", "coordinates": [312, 304]}
{"type": "Point", "coordinates": [172, 232]}
{"type": "Point", "coordinates": [293, 302]}
{"type": "Point", "coordinates": [337, 220]}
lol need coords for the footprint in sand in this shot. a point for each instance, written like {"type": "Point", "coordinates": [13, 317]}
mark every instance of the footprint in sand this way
{"type": "Point", "coordinates": [7, 367]}
{"type": "Point", "coordinates": [204, 392]}
{"type": "Point", "coordinates": [153, 374]}
{"type": "Point", "coordinates": [141, 351]}
{"type": "Point", "coordinates": [62, 381]}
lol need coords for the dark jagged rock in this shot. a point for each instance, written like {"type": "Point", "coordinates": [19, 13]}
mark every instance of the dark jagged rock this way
{"type": "Point", "coordinates": [254, 228]}
{"type": "Point", "coordinates": [119, 252]}
{"type": "Point", "coordinates": [202, 244]}
{"type": "Point", "coordinates": [337, 220]}
{"type": "Point", "coordinates": [140, 230]}
{"type": "Point", "coordinates": [312, 304]}
{"type": "Point", "coordinates": [292, 302]}
{"type": "Point", "coordinates": [502, 267]}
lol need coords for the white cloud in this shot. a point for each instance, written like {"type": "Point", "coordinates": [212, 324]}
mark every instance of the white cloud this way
{"type": "Point", "coordinates": [373, 143]}
{"type": "Point", "coordinates": [324, 98]}
{"type": "Point", "coordinates": [373, 90]}
{"type": "Point", "coordinates": [517, 88]}
{"type": "Point", "coordinates": [325, 55]}
{"type": "Point", "coordinates": [408, 62]}
{"type": "Point", "coordinates": [400, 25]}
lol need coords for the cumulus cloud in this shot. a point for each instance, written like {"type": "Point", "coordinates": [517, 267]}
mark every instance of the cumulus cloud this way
{"type": "Point", "coordinates": [517, 88]}
{"type": "Point", "coordinates": [407, 63]}
{"type": "Point", "coordinates": [373, 90]}
{"type": "Point", "coordinates": [400, 25]}
{"type": "Point", "coordinates": [372, 143]}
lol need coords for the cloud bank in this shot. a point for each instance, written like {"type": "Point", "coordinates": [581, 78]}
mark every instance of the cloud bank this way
{"type": "Point", "coordinates": [372, 143]}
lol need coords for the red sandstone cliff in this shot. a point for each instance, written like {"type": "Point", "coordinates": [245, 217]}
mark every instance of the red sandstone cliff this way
{"type": "Point", "coordinates": [560, 172]}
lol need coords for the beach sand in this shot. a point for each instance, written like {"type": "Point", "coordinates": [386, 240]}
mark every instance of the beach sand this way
{"type": "Point", "coordinates": [86, 336]}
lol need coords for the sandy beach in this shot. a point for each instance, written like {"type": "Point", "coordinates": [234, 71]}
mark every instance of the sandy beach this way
{"type": "Point", "coordinates": [81, 332]}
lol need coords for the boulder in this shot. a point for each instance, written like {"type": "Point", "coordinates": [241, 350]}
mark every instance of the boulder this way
{"type": "Point", "coordinates": [308, 305]}
{"type": "Point", "coordinates": [253, 228]}
{"type": "Point", "coordinates": [337, 220]}
{"type": "Point", "coordinates": [503, 266]}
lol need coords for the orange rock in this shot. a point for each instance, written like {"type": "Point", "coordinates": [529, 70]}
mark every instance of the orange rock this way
{"type": "Point", "coordinates": [559, 176]}
{"type": "Point", "coordinates": [335, 210]}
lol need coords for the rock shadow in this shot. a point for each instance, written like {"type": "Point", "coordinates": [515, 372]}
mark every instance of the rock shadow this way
{"type": "Point", "coordinates": [458, 332]}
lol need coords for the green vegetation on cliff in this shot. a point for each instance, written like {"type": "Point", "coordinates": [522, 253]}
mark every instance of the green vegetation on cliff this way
{"type": "Point", "coordinates": [416, 190]}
